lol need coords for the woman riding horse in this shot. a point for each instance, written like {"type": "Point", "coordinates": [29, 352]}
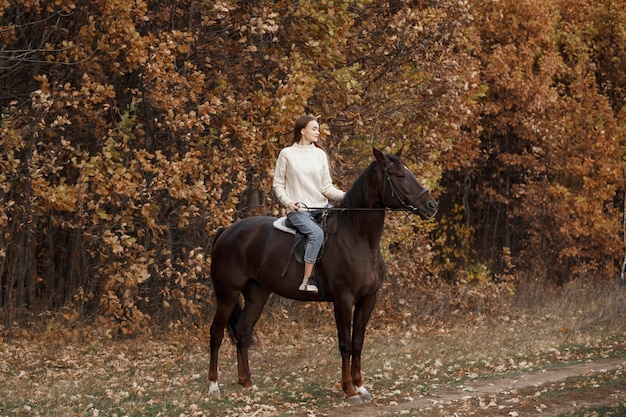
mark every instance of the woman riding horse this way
{"type": "Point", "coordinates": [252, 258]}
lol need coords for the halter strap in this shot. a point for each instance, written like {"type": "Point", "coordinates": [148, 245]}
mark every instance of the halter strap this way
{"type": "Point", "coordinates": [397, 192]}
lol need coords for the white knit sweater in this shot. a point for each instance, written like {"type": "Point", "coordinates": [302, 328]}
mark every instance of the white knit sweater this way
{"type": "Point", "coordinates": [302, 176]}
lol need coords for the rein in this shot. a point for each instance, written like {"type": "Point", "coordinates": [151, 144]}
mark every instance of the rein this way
{"type": "Point", "coordinates": [395, 192]}
{"type": "Point", "coordinates": [350, 208]}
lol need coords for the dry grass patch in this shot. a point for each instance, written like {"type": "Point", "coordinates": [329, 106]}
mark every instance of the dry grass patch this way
{"type": "Point", "coordinates": [295, 362]}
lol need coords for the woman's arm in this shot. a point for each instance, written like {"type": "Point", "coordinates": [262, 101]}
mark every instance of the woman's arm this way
{"type": "Point", "coordinates": [280, 180]}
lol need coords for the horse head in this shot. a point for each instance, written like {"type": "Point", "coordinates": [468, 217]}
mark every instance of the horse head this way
{"type": "Point", "coordinates": [401, 190]}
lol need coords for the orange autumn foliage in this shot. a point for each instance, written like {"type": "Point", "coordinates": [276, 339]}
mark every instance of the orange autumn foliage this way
{"type": "Point", "coordinates": [132, 131]}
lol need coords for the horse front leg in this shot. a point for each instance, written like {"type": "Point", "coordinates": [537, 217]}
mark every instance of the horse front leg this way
{"type": "Point", "coordinates": [343, 319]}
{"type": "Point", "coordinates": [362, 313]}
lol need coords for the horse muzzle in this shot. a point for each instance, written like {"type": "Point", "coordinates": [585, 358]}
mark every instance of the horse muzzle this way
{"type": "Point", "coordinates": [426, 210]}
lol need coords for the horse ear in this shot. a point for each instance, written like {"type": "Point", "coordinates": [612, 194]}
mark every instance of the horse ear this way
{"type": "Point", "coordinates": [399, 153]}
{"type": "Point", "coordinates": [381, 157]}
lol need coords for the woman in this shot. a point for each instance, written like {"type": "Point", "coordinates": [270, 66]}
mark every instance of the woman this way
{"type": "Point", "coordinates": [302, 180]}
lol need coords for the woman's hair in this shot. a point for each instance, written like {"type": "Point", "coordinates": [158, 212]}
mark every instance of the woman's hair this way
{"type": "Point", "coordinates": [301, 124]}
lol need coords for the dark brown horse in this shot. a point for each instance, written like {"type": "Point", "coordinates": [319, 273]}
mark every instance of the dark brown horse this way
{"type": "Point", "coordinates": [252, 258]}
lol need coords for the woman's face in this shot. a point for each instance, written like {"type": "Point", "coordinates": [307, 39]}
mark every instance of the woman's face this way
{"type": "Point", "coordinates": [310, 133]}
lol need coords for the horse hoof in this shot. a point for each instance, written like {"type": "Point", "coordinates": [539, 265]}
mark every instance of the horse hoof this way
{"type": "Point", "coordinates": [365, 396]}
{"type": "Point", "coordinates": [214, 388]}
{"type": "Point", "coordinates": [354, 400]}
{"type": "Point", "coordinates": [253, 388]}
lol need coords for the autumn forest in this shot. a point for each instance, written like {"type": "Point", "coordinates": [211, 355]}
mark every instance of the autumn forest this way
{"type": "Point", "coordinates": [132, 130]}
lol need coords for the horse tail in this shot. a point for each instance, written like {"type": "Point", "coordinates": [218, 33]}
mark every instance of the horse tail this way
{"type": "Point", "coordinates": [237, 310]}
{"type": "Point", "coordinates": [216, 236]}
{"type": "Point", "coordinates": [233, 320]}
{"type": "Point", "coordinates": [235, 315]}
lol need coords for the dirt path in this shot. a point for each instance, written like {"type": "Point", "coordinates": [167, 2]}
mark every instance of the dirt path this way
{"type": "Point", "coordinates": [500, 397]}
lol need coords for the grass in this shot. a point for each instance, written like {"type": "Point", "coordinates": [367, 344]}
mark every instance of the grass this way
{"type": "Point", "coordinates": [295, 362]}
{"type": "Point", "coordinates": [617, 411]}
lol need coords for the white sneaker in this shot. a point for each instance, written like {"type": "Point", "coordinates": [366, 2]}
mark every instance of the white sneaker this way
{"type": "Point", "coordinates": [308, 286]}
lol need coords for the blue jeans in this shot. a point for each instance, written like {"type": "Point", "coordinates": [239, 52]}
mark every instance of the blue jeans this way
{"type": "Point", "coordinates": [303, 221]}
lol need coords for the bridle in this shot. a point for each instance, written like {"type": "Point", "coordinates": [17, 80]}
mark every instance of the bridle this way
{"type": "Point", "coordinates": [398, 193]}
{"type": "Point", "coordinates": [395, 192]}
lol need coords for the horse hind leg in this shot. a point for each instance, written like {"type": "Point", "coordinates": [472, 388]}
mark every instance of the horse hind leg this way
{"type": "Point", "coordinates": [227, 309]}
{"type": "Point", "coordinates": [255, 298]}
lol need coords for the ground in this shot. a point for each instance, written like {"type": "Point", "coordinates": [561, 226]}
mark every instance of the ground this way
{"type": "Point", "coordinates": [560, 356]}
{"type": "Point", "coordinates": [508, 397]}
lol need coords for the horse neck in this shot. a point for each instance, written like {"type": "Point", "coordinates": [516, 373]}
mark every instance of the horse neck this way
{"type": "Point", "coordinates": [368, 218]}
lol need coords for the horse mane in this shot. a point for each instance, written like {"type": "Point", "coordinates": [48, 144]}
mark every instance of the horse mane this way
{"type": "Point", "coordinates": [361, 194]}
{"type": "Point", "coordinates": [358, 194]}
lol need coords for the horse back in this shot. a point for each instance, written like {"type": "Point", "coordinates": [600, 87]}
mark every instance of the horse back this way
{"type": "Point", "coordinates": [253, 248]}
{"type": "Point", "coordinates": [242, 234]}
{"type": "Point", "coordinates": [244, 245]}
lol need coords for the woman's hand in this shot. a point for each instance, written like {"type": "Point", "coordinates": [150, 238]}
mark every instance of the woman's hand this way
{"type": "Point", "coordinates": [293, 206]}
